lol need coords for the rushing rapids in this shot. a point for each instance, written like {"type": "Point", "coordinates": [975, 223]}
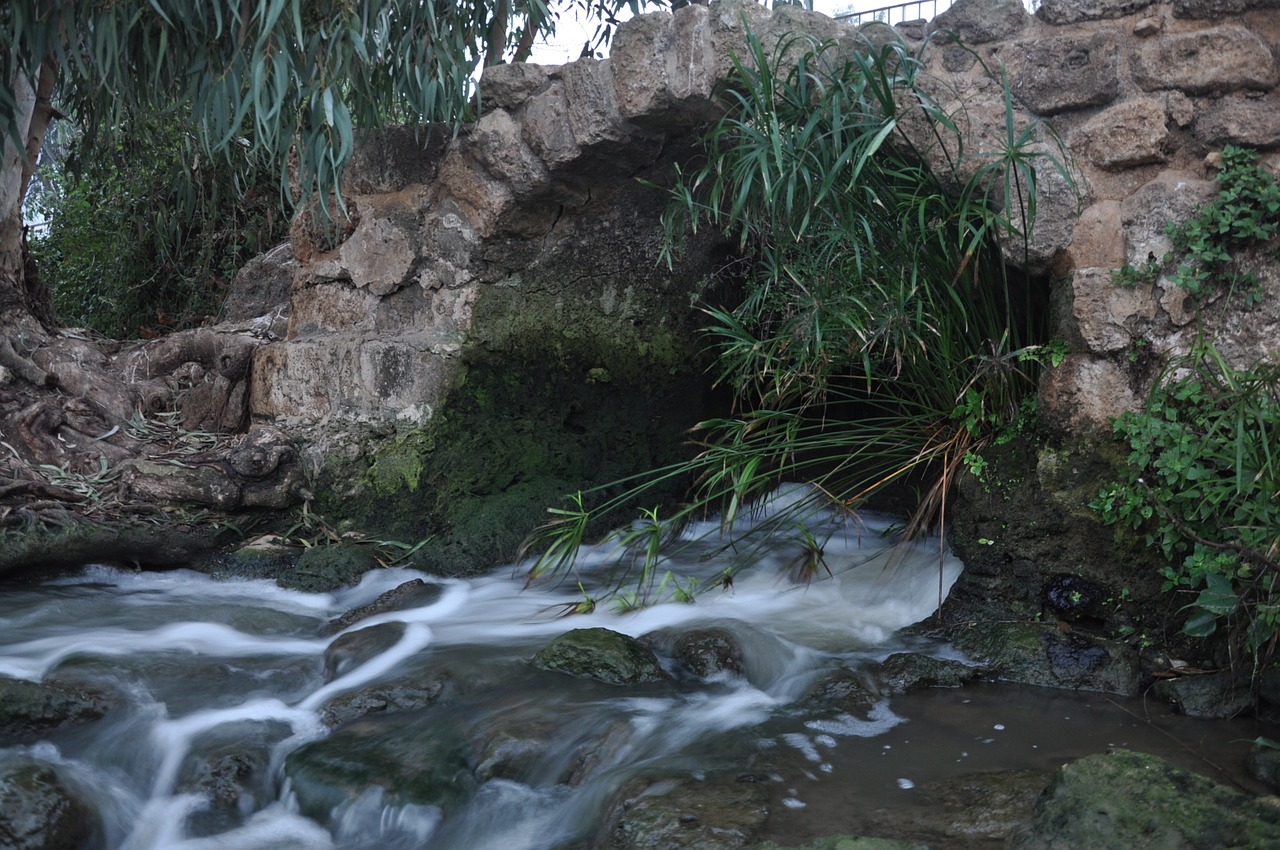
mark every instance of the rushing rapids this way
{"type": "Point", "coordinates": [193, 663]}
{"type": "Point", "coordinates": [217, 688]}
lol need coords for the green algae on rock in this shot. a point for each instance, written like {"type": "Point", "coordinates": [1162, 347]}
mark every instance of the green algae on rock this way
{"type": "Point", "coordinates": [1125, 800]}
{"type": "Point", "coordinates": [603, 655]}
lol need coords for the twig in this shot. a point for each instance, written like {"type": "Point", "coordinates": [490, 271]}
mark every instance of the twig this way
{"type": "Point", "coordinates": [1183, 745]}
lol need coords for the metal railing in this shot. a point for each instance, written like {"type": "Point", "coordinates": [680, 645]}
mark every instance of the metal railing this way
{"type": "Point", "coordinates": [897, 13]}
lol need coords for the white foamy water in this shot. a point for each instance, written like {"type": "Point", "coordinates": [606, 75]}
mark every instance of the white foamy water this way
{"type": "Point", "coordinates": [198, 668]}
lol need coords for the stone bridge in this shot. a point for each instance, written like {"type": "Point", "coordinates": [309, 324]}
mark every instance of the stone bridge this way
{"type": "Point", "coordinates": [494, 328]}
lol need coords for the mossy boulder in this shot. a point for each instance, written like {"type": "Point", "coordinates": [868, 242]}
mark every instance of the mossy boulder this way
{"type": "Point", "coordinates": [904, 672]}
{"type": "Point", "coordinates": [1124, 800]}
{"type": "Point", "coordinates": [603, 655]}
{"type": "Point", "coordinates": [413, 760]}
{"type": "Point", "coordinates": [1045, 655]}
{"type": "Point", "coordinates": [327, 567]}
{"type": "Point", "coordinates": [1025, 522]}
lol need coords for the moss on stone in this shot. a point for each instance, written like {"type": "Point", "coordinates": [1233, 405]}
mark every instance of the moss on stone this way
{"type": "Point", "coordinates": [1136, 801]}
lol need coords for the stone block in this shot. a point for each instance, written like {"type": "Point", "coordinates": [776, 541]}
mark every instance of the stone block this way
{"type": "Point", "coordinates": [1052, 75]}
{"type": "Point", "coordinates": [639, 58]}
{"type": "Point", "coordinates": [545, 128]}
{"type": "Point", "coordinates": [1171, 197]}
{"type": "Point", "coordinates": [1084, 392]}
{"type": "Point", "coordinates": [1057, 209]}
{"type": "Point", "coordinates": [496, 143]}
{"type": "Point", "coordinates": [1253, 122]}
{"type": "Point", "coordinates": [1098, 240]}
{"type": "Point", "coordinates": [1125, 136]}
{"type": "Point", "coordinates": [1075, 11]}
{"type": "Point", "coordinates": [510, 84]}
{"type": "Point", "coordinates": [1220, 59]}
{"type": "Point", "coordinates": [594, 116]}
{"type": "Point", "coordinates": [982, 21]}
{"type": "Point", "coordinates": [391, 159]}
{"type": "Point", "coordinates": [1105, 313]}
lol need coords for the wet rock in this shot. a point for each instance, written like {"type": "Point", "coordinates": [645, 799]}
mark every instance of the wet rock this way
{"type": "Point", "coordinates": [843, 690]}
{"type": "Point", "coordinates": [973, 810]}
{"type": "Point", "coordinates": [408, 694]}
{"type": "Point", "coordinates": [411, 594]}
{"type": "Point", "coordinates": [603, 655]}
{"type": "Point", "coordinates": [39, 812]}
{"type": "Point", "coordinates": [846, 842]}
{"type": "Point", "coordinates": [904, 672]}
{"type": "Point", "coordinates": [1264, 765]}
{"type": "Point", "coordinates": [1038, 654]}
{"type": "Point", "coordinates": [1135, 801]}
{"type": "Point", "coordinates": [351, 650]}
{"type": "Point", "coordinates": [413, 761]}
{"type": "Point", "coordinates": [231, 767]}
{"type": "Point", "coordinates": [672, 814]}
{"type": "Point", "coordinates": [980, 806]}
{"type": "Point", "coordinates": [1214, 696]}
{"type": "Point", "coordinates": [325, 568]}
{"type": "Point", "coordinates": [511, 754]}
{"type": "Point", "coordinates": [1075, 598]}
{"type": "Point", "coordinates": [262, 557]}
{"type": "Point", "coordinates": [702, 652]}
{"type": "Point", "coordinates": [31, 709]}
{"type": "Point", "coordinates": [1269, 686]}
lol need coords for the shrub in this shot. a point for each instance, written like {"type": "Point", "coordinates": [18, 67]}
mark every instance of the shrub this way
{"type": "Point", "coordinates": [143, 233]}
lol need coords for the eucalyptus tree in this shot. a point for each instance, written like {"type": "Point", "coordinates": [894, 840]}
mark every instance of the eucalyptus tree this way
{"type": "Point", "coordinates": [291, 80]}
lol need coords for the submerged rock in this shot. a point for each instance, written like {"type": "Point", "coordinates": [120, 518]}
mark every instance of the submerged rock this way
{"type": "Point", "coordinates": [846, 842]}
{"type": "Point", "coordinates": [349, 651]}
{"type": "Point", "coordinates": [411, 594]}
{"type": "Point", "coordinates": [603, 655]}
{"type": "Point", "coordinates": [1039, 654]}
{"type": "Point", "coordinates": [39, 812]}
{"type": "Point", "coordinates": [701, 652]}
{"type": "Point", "coordinates": [1124, 800]}
{"type": "Point", "coordinates": [1264, 765]}
{"type": "Point", "coordinates": [1213, 696]}
{"type": "Point", "coordinates": [904, 672]}
{"type": "Point", "coordinates": [408, 694]}
{"type": "Point", "coordinates": [31, 709]}
{"type": "Point", "coordinates": [843, 690]}
{"type": "Point", "coordinates": [413, 761]}
{"type": "Point", "coordinates": [674, 814]}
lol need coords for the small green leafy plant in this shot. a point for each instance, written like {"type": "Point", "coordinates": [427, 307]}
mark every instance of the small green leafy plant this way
{"type": "Point", "coordinates": [1203, 261]}
{"type": "Point", "coordinates": [1203, 485]}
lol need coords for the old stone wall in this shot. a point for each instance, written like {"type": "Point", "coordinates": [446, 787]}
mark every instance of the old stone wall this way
{"type": "Point", "coordinates": [514, 270]}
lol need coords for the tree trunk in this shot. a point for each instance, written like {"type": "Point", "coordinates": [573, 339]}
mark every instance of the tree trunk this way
{"type": "Point", "coordinates": [25, 309]}
{"type": "Point", "coordinates": [80, 434]}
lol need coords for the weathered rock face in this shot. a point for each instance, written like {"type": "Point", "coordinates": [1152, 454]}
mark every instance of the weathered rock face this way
{"type": "Point", "coordinates": [494, 328]}
{"type": "Point", "coordinates": [1132, 800]}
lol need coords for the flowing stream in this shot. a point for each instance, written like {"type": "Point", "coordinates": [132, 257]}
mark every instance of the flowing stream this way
{"type": "Point", "coordinates": [196, 665]}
